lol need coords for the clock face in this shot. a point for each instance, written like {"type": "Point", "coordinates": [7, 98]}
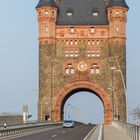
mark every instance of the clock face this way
{"type": "Point", "coordinates": [82, 66]}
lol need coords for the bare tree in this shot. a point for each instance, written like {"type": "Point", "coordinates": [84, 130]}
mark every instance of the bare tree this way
{"type": "Point", "coordinates": [136, 115]}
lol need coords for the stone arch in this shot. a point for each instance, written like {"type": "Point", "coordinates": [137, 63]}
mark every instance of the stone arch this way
{"type": "Point", "coordinates": [93, 87]}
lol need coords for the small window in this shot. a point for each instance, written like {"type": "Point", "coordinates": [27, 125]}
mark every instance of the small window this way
{"type": "Point", "coordinates": [67, 71]}
{"type": "Point", "coordinates": [72, 30]}
{"type": "Point", "coordinates": [46, 13]}
{"type": "Point", "coordinates": [71, 42]}
{"type": "Point", "coordinates": [92, 70]}
{"type": "Point", "coordinates": [97, 70]}
{"type": "Point", "coordinates": [88, 55]}
{"type": "Point", "coordinates": [69, 65]}
{"type": "Point", "coordinates": [53, 13]}
{"type": "Point", "coordinates": [46, 29]}
{"type": "Point", "coordinates": [72, 70]}
{"type": "Point", "coordinates": [97, 42]}
{"type": "Point", "coordinates": [92, 30]}
{"type": "Point", "coordinates": [75, 42]}
{"type": "Point", "coordinates": [93, 54]}
{"type": "Point", "coordinates": [69, 14]}
{"type": "Point", "coordinates": [117, 12]}
{"type": "Point", "coordinates": [94, 64]}
{"type": "Point", "coordinates": [95, 13]}
{"type": "Point", "coordinates": [67, 42]}
{"type": "Point", "coordinates": [93, 42]}
{"type": "Point", "coordinates": [98, 54]}
{"type": "Point", "coordinates": [88, 42]}
{"type": "Point", "coordinates": [39, 12]}
{"type": "Point", "coordinates": [117, 28]}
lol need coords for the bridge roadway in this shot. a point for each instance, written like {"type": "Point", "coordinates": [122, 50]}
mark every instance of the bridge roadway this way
{"type": "Point", "coordinates": [79, 132]}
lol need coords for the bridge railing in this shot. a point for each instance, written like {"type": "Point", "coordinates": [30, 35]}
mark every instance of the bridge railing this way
{"type": "Point", "coordinates": [130, 130]}
{"type": "Point", "coordinates": [15, 129]}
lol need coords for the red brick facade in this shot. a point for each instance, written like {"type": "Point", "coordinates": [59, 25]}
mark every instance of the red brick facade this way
{"type": "Point", "coordinates": [64, 47]}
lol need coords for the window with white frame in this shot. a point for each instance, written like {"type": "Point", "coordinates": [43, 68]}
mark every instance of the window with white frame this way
{"type": "Point", "coordinates": [67, 42]}
{"type": "Point", "coordinates": [46, 13]}
{"type": "Point", "coordinates": [117, 12]}
{"type": "Point", "coordinates": [97, 53]}
{"type": "Point", "coordinates": [92, 30]}
{"type": "Point", "coordinates": [75, 42]}
{"type": "Point", "coordinates": [71, 42]}
{"type": "Point", "coordinates": [72, 30]}
{"type": "Point", "coordinates": [46, 28]}
{"type": "Point", "coordinates": [94, 69]}
{"type": "Point", "coordinates": [95, 13]}
{"type": "Point", "coordinates": [117, 28]}
{"type": "Point", "coordinates": [72, 53]}
{"type": "Point", "coordinates": [69, 69]}
{"type": "Point", "coordinates": [69, 13]}
{"type": "Point", "coordinates": [93, 53]}
{"type": "Point", "coordinates": [53, 13]}
{"type": "Point", "coordinates": [97, 42]}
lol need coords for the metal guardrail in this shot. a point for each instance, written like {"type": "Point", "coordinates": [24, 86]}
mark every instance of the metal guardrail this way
{"type": "Point", "coordinates": [130, 130]}
{"type": "Point", "coordinates": [11, 130]}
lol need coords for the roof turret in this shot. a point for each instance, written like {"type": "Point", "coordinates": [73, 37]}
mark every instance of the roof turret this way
{"type": "Point", "coordinates": [46, 3]}
{"type": "Point", "coordinates": [117, 3]}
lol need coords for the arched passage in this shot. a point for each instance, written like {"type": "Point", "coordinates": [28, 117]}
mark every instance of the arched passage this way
{"type": "Point", "coordinates": [71, 88]}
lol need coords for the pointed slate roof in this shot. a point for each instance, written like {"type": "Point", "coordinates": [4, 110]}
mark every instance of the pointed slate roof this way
{"type": "Point", "coordinates": [82, 12]}
{"type": "Point", "coordinates": [46, 3]}
{"type": "Point", "coordinates": [118, 3]}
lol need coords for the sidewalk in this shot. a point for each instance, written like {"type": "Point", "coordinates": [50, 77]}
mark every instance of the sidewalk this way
{"type": "Point", "coordinates": [112, 133]}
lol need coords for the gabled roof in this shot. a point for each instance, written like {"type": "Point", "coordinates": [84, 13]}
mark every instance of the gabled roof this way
{"type": "Point", "coordinates": [46, 3]}
{"type": "Point", "coordinates": [82, 12]}
{"type": "Point", "coordinates": [118, 3]}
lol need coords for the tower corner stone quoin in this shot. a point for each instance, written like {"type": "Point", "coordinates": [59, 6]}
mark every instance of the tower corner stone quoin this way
{"type": "Point", "coordinates": [77, 49]}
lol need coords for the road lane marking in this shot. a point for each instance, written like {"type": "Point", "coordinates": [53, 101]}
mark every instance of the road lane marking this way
{"type": "Point", "coordinates": [89, 133]}
{"type": "Point", "coordinates": [54, 136]}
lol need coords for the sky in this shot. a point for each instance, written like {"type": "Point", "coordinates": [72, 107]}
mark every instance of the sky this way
{"type": "Point", "coordinates": [19, 62]}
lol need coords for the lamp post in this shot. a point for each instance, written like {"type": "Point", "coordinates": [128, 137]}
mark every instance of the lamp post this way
{"type": "Point", "coordinates": [112, 85]}
{"type": "Point", "coordinates": [66, 111]}
{"type": "Point", "coordinates": [69, 113]}
{"type": "Point", "coordinates": [124, 86]}
{"type": "Point", "coordinates": [115, 104]}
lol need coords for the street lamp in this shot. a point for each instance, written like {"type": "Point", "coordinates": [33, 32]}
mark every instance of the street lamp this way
{"type": "Point", "coordinates": [116, 103]}
{"type": "Point", "coordinates": [124, 86]}
{"type": "Point", "coordinates": [66, 111]}
{"type": "Point", "coordinates": [112, 85]}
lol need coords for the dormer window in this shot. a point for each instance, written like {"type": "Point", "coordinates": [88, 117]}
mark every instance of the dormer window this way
{"type": "Point", "coordinates": [69, 14]}
{"type": "Point", "coordinates": [95, 13]}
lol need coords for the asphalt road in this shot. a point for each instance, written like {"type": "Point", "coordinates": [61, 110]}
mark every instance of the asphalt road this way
{"type": "Point", "coordinates": [77, 133]}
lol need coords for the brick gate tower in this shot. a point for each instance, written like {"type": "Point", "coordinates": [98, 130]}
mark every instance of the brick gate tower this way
{"type": "Point", "coordinates": [82, 47]}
